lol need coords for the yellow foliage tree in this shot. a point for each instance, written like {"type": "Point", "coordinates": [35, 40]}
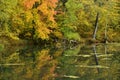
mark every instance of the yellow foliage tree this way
{"type": "Point", "coordinates": [39, 16]}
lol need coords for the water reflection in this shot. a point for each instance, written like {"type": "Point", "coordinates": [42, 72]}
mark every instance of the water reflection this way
{"type": "Point", "coordinates": [96, 58]}
{"type": "Point", "coordinates": [84, 62]}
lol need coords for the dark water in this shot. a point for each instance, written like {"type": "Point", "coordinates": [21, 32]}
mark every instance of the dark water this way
{"type": "Point", "coordinates": [83, 62]}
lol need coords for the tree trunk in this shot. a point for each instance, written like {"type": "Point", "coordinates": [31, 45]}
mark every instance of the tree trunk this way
{"type": "Point", "coordinates": [96, 26]}
{"type": "Point", "coordinates": [106, 32]}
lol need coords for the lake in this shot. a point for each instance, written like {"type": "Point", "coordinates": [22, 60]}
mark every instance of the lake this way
{"type": "Point", "coordinates": [81, 62]}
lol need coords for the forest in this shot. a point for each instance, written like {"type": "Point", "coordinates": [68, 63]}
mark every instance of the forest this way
{"type": "Point", "coordinates": [59, 21]}
{"type": "Point", "coordinates": [59, 39]}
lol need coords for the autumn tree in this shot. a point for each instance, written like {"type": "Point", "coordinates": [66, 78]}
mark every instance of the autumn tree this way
{"type": "Point", "coordinates": [57, 19]}
{"type": "Point", "coordinates": [40, 16]}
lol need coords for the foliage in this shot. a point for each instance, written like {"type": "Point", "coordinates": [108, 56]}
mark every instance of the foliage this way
{"type": "Point", "coordinates": [32, 18]}
{"type": "Point", "coordinates": [108, 18]}
{"type": "Point", "coordinates": [7, 8]}
{"type": "Point", "coordinates": [68, 21]}
{"type": "Point", "coordinates": [59, 19]}
{"type": "Point", "coordinates": [6, 11]}
{"type": "Point", "coordinates": [40, 17]}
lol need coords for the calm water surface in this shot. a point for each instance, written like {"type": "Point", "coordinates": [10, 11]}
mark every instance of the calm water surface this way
{"type": "Point", "coordinates": [83, 62]}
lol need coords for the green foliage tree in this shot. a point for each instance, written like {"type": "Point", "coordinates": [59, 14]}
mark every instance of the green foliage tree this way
{"type": "Point", "coordinates": [68, 19]}
{"type": "Point", "coordinates": [107, 18]}
{"type": "Point", "coordinates": [7, 10]}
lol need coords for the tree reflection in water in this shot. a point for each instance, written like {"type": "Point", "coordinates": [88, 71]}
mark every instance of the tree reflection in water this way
{"type": "Point", "coordinates": [87, 62]}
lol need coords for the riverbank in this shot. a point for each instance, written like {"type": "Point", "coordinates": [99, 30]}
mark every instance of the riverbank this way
{"type": "Point", "coordinates": [15, 41]}
{"type": "Point", "coordinates": [9, 41]}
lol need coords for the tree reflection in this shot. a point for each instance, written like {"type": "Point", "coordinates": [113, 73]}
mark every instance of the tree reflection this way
{"type": "Point", "coordinates": [37, 65]}
{"type": "Point", "coordinates": [80, 63]}
{"type": "Point", "coordinates": [96, 58]}
{"type": "Point", "coordinates": [88, 62]}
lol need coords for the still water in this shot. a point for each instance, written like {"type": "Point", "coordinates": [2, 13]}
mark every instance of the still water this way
{"type": "Point", "coordinates": [82, 62]}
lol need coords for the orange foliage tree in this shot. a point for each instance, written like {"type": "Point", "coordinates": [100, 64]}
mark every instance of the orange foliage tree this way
{"type": "Point", "coordinates": [39, 16]}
